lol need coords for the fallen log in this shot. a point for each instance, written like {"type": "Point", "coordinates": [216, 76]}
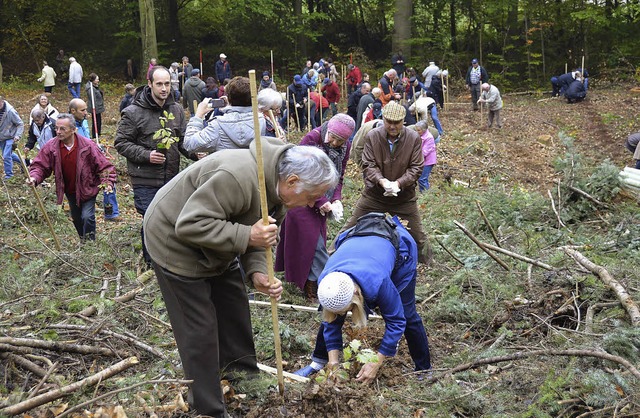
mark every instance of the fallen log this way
{"type": "Point", "coordinates": [24, 406]}
{"type": "Point", "coordinates": [619, 290]}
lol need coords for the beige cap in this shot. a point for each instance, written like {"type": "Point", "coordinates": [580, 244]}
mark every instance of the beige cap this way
{"type": "Point", "coordinates": [223, 56]}
{"type": "Point", "coordinates": [394, 112]}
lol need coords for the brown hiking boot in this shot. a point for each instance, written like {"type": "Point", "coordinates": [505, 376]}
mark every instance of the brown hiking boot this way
{"type": "Point", "coordinates": [311, 290]}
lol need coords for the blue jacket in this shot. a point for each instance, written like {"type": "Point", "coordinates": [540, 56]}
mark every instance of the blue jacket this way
{"type": "Point", "coordinates": [83, 128]}
{"type": "Point", "coordinates": [223, 70]}
{"type": "Point", "coordinates": [372, 263]}
{"type": "Point", "coordinates": [576, 90]}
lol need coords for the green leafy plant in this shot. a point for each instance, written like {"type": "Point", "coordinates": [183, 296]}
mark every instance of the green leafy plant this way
{"type": "Point", "coordinates": [164, 135]}
{"type": "Point", "coordinates": [352, 354]}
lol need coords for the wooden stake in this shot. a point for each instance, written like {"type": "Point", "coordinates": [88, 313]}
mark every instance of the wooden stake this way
{"type": "Point", "coordinates": [273, 76]}
{"type": "Point", "coordinates": [308, 110]}
{"type": "Point", "coordinates": [582, 67]}
{"type": "Point", "coordinates": [265, 219]}
{"type": "Point", "coordinates": [566, 68]}
{"type": "Point", "coordinates": [288, 114]}
{"type": "Point", "coordinates": [446, 97]}
{"type": "Point", "coordinates": [37, 196]}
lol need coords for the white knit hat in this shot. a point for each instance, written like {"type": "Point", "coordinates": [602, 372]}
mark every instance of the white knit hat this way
{"type": "Point", "coordinates": [335, 291]}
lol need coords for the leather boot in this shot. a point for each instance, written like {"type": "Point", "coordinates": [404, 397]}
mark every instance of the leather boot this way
{"type": "Point", "coordinates": [311, 290]}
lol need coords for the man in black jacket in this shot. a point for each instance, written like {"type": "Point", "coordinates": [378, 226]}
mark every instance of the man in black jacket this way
{"type": "Point", "coordinates": [150, 169]}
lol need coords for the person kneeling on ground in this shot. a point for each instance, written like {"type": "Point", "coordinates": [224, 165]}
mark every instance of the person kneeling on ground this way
{"type": "Point", "coordinates": [632, 145]}
{"type": "Point", "coordinates": [374, 265]}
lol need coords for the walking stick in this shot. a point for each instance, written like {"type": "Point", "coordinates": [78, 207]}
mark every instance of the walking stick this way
{"type": "Point", "coordinates": [288, 114]}
{"type": "Point", "coordinates": [295, 109]}
{"type": "Point", "coordinates": [582, 67]}
{"type": "Point", "coordinates": [93, 115]}
{"type": "Point", "coordinates": [265, 219]}
{"type": "Point", "coordinates": [276, 125]}
{"type": "Point", "coordinates": [308, 111]}
{"type": "Point", "coordinates": [272, 74]}
{"type": "Point", "coordinates": [201, 62]}
{"type": "Point", "coordinates": [320, 101]}
{"type": "Point", "coordinates": [446, 95]}
{"type": "Point", "coordinates": [481, 110]}
{"type": "Point", "coordinates": [37, 195]}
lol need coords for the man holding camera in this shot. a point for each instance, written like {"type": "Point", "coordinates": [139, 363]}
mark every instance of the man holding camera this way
{"type": "Point", "coordinates": [232, 130]}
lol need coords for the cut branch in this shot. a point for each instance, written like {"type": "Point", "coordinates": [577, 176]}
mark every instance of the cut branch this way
{"type": "Point", "coordinates": [518, 256]}
{"type": "Point", "coordinates": [481, 245]}
{"type": "Point", "coordinates": [583, 194]}
{"type": "Point", "coordinates": [449, 252]}
{"type": "Point", "coordinates": [522, 354]}
{"type": "Point", "coordinates": [56, 346]}
{"type": "Point", "coordinates": [486, 222]}
{"type": "Point", "coordinates": [591, 310]}
{"type": "Point", "coordinates": [63, 391]}
{"type": "Point", "coordinates": [27, 364]}
{"type": "Point", "coordinates": [621, 293]}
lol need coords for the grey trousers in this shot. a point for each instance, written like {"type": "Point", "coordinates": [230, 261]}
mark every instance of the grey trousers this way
{"type": "Point", "coordinates": [212, 326]}
{"type": "Point", "coordinates": [494, 115]}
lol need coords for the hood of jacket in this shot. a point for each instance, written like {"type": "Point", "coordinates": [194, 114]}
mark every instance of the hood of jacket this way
{"type": "Point", "coordinates": [237, 125]}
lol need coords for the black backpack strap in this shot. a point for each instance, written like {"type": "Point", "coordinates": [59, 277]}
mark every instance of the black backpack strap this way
{"type": "Point", "coordinates": [376, 224]}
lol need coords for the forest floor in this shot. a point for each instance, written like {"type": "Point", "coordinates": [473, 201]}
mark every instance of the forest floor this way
{"type": "Point", "coordinates": [521, 322]}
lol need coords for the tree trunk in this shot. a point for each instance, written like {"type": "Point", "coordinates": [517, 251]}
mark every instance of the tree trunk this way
{"type": "Point", "coordinates": [174, 24]}
{"type": "Point", "coordinates": [147, 32]}
{"type": "Point", "coordinates": [0, 72]}
{"type": "Point", "coordinates": [302, 41]}
{"type": "Point", "coordinates": [402, 28]}
{"type": "Point", "coordinates": [452, 25]}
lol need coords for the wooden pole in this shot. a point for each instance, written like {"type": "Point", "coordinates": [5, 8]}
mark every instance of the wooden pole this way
{"type": "Point", "coordinates": [446, 97]}
{"type": "Point", "coordinates": [276, 125]}
{"type": "Point", "coordinates": [288, 114]}
{"type": "Point", "coordinates": [265, 219]}
{"type": "Point", "coordinates": [295, 109]}
{"type": "Point", "coordinates": [93, 114]}
{"type": "Point", "coordinates": [308, 110]}
{"type": "Point", "coordinates": [442, 85]}
{"type": "Point", "coordinates": [273, 76]}
{"type": "Point", "coordinates": [566, 68]}
{"type": "Point", "coordinates": [37, 195]}
{"type": "Point", "coordinates": [582, 67]}
{"type": "Point", "coordinates": [201, 73]}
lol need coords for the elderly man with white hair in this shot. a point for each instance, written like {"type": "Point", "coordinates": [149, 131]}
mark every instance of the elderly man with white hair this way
{"type": "Point", "coordinates": [75, 78]}
{"type": "Point", "coordinates": [200, 228]}
{"type": "Point", "coordinates": [374, 265]}
{"type": "Point", "coordinates": [386, 85]}
{"type": "Point", "coordinates": [491, 96]}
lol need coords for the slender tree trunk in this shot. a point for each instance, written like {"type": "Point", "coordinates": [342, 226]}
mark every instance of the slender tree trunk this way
{"type": "Point", "coordinates": [147, 32]}
{"type": "Point", "coordinates": [452, 23]}
{"type": "Point", "coordinates": [174, 24]}
{"type": "Point", "coordinates": [302, 41]}
{"type": "Point", "coordinates": [402, 28]}
{"type": "Point", "coordinates": [0, 72]}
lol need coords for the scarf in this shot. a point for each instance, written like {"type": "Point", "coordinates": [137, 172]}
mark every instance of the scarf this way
{"type": "Point", "coordinates": [265, 83]}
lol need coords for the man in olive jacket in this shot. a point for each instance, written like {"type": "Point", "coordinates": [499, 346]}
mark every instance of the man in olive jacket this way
{"type": "Point", "coordinates": [150, 169]}
{"type": "Point", "coordinates": [196, 228]}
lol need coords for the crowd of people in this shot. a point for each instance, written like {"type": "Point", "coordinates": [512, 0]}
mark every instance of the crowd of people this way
{"type": "Point", "coordinates": [202, 230]}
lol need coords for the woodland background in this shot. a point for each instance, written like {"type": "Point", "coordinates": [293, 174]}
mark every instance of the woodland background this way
{"type": "Point", "coordinates": [521, 42]}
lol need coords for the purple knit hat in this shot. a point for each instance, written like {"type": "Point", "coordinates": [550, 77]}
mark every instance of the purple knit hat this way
{"type": "Point", "coordinates": [341, 125]}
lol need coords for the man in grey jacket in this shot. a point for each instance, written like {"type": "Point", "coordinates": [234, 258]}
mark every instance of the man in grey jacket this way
{"type": "Point", "coordinates": [491, 96]}
{"type": "Point", "coordinates": [234, 129]}
{"type": "Point", "coordinates": [11, 129]}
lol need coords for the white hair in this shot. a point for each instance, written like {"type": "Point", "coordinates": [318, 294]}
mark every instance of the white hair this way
{"type": "Point", "coordinates": [312, 166]}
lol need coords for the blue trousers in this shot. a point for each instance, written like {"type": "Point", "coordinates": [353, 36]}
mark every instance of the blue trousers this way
{"type": "Point", "coordinates": [414, 333]}
{"type": "Point", "coordinates": [436, 120]}
{"type": "Point", "coordinates": [84, 217]}
{"type": "Point", "coordinates": [74, 89]}
{"type": "Point", "coordinates": [423, 181]}
{"type": "Point", "coordinates": [7, 158]}
{"type": "Point", "coordinates": [110, 199]}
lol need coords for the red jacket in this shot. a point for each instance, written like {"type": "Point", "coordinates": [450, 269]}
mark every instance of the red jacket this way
{"type": "Point", "coordinates": [332, 92]}
{"type": "Point", "coordinates": [90, 163]}
{"type": "Point", "coordinates": [316, 99]}
{"type": "Point", "coordinates": [354, 77]}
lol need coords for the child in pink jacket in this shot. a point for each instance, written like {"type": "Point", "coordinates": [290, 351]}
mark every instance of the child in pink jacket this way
{"type": "Point", "coordinates": [429, 153]}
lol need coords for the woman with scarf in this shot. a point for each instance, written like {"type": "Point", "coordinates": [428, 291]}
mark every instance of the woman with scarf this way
{"type": "Point", "coordinates": [302, 251]}
{"type": "Point", "coordinates": [266, 82]}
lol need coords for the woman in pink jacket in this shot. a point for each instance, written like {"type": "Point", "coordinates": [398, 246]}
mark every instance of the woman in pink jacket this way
{"type": "Point", "coordinates": [429, 153]}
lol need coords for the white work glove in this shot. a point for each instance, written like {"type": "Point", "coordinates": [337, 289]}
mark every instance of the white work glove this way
{"type": "Point", "coordinates": [337, 211]}
{"type": "Point", "coordinates": [395, 186]}
{"type": "Point", "coordinates": [389, 189]}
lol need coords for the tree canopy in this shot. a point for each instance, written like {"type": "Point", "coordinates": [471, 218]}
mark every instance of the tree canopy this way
{"type": "Point", "coordinates": [519, 41]}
